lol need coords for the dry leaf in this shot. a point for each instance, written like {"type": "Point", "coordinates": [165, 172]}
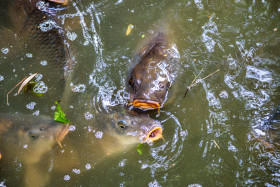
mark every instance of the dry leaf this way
{"type": "Point", "coordinates": [13, 89]}
{"type": "Point", "coordinates": [26, 81]}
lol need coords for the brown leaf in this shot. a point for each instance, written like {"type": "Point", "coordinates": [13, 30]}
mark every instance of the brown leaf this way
{"type": "Point", "coordinates": [26, 81]}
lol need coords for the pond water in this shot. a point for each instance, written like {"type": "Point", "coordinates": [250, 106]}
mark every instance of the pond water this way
{"type": "Point", "coordinates": [216, 136]}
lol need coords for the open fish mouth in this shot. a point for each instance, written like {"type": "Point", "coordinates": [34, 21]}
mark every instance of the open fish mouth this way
{"type": "Point", "coordinates": [154, 134]}
{"type": "Point", "coordinates": [145, 104]}
{"type": "Point", "coordinates": [60, 135]}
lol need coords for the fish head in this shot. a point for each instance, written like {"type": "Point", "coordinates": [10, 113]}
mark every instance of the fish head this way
{"type": "Point", "coordinates": [41, 137]}
{"type": "Point", "coordinates": [149, 86]}
{"type": "Point", "coordinates": [134, 128]}
{"type": "Point", "coordinates": [31, 136]}
{"type": "Point", "coordinates": [44, 132]}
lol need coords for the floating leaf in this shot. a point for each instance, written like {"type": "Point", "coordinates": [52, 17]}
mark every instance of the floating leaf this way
{"type": "Point", "coordinates": [59, 115]}
{"type": "Point", "coordinates": [139, 149]}
{"type": "Point", "coordinates": [36, 88]}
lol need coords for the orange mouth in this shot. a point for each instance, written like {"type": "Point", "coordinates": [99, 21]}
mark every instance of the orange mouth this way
{"type": "Point", "coordinates": [154, 134]}
{"type": "Point", "coordinates": [63, 2]}
{"type": "Point", "coordinates": [145, 104]}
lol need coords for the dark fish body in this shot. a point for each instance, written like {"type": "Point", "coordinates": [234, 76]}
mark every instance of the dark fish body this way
{"type": "Point", "coordinates": [39, 24]}
{"type": "Point", "coordinates": [274, 127]}
{"type": "Point", "coordinates": [38, 29]}
{"type": "Point", "coordinates": [152, 75]}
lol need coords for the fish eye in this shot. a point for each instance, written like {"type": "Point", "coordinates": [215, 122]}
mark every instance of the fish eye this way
{"type": "Point", "coordinates": [169, 85]}
{"type": "Point", "coordinates": [33, 136]}
{"type": "Point", "coordinates": [122, 124]}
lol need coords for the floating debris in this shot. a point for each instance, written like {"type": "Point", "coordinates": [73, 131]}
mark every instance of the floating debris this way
{"type": "Point", "coordinates": [14, 88]}
{"type": "Point", "coordinates": [193, 84]}
{"type": "Point", "coordinates": [36, 88]}
{"type": "Point", "coordinates": [216, 144]}
{"type": "Point", "coordinates": [26, 81]}
{"type": "Point", "coordinates": [59, 115]}
{"type": "Point", "coordinates": [139, 149]}
{"type": "Point", "coordinates": [189, 87]}
{"type": "Point", "coordinates": [129, 29]}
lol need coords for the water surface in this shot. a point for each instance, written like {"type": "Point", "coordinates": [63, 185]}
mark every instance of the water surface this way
{"type": "Point", "coordinates": [213, 137]}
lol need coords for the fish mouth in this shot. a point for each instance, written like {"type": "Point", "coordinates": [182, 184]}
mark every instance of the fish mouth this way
{"type": "Point", "coordinates": [145, 104]}
{"type": "Point", "coordinates": [153, 135]}
{"type": "Point", "coordinates": [60, 135]}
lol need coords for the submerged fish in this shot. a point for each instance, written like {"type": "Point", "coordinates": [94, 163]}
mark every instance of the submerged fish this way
{"type": "Point", "coordinates": [29, 137]}
{"type": "Point", "coordinates": [270, 138]}
{"type": "Point", "coordinates": [24, 139]}
{"type": "Point", "coordinates": [110, 133]}
{"type": "Point", "coordinates": [36, 25]}
{"type": "Point", "coordinates": [35, 21]}
{"type": "Point", "coordinates": [151, 77]}
{"type": "Point", "coordinates": [274, 128]}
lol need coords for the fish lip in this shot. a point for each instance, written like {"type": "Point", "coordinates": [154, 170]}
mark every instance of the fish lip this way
{"type": "Point", "coordinates": [60, 135]}
{"type": "Point", "coordinates": [145, 104]}
{"type": "Point", "coordinates": [153, 135]}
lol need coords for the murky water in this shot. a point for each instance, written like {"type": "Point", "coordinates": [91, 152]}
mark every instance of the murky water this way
{"type": "Point", "coordinates": [215, 136]}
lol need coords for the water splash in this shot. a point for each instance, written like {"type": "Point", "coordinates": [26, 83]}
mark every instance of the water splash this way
{"type": "Point", "coordinates": [167, 154]}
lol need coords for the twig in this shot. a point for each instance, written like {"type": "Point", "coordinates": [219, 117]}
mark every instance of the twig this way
{"type": "Point", "coordinates": [189, 87]}
{"type": "Point", "coordinates": [192, 85]}
{"type": "Point", "coordinates": [216, 144]}
{"type": "Point", "coordinates": [26, 81]}
{"type": "Point", "coordinates": [206, 77]}
{"type": "Point", "coordinates": [14, 88]}
{"type": "Point", "coordinates": [196, 77]}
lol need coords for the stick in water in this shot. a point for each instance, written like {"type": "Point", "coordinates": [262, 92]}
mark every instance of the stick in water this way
{"type": "Point", "coordinates": [14, 88]}
{"type": "Point", "coordinates": [192, 85]}
{"type": "Point", "coordinates": [189, 87]}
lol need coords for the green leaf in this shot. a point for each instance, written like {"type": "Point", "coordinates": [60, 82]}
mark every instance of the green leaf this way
{"type": "Point", "coordinates": [59, 115]}
{"type": "Point", "coordinates": [139, 149]}
{"type": "Point", "coordinates": [36, 88]}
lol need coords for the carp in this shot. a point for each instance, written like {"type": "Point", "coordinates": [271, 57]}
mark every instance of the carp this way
{"type": "Point", "coordinates": [270, 139]}
{"type": "Point", "coordinates": [273, 130]}
{"type": "Point", "coordinates": [26, 139]}
{"type": "Point", "coordinates": [152, 76]}
{"type": "Point", "coordinates": [39, 34]}
{"type": "Point", "coordinates": [110, 133]}
{"type": "Point", "coordinates": [130, 127]}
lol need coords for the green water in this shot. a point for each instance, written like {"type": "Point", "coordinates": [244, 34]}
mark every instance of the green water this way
{"type": "Point", "coordinates": [230, 108]}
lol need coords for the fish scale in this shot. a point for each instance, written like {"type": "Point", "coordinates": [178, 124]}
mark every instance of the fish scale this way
{"type": "Point", "coordinates": [37, 26]}
{"type": "Point", "coordinates": [50, 43]}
